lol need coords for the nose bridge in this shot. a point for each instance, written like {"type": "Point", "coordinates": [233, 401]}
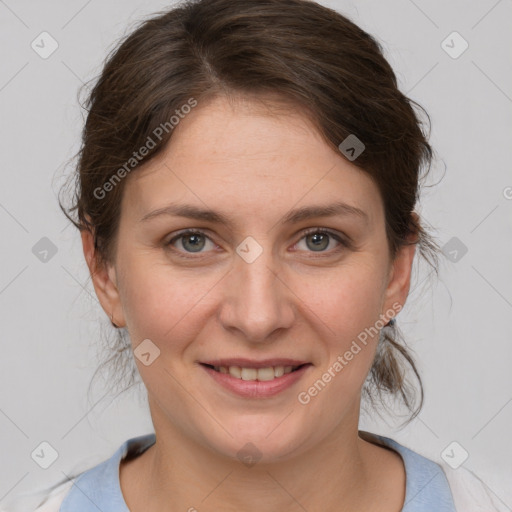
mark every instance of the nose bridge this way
{"type": "Point", "coordinates": [257, 303]}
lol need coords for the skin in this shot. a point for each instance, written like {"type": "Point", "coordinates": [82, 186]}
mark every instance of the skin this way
{"type": "Point", "coordinates": [253, 165]}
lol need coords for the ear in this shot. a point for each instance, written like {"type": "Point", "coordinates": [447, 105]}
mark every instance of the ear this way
{"type": "Point", "coordinates": [104, 281]}
{"type": "Point", "coordinates": [399, 278]}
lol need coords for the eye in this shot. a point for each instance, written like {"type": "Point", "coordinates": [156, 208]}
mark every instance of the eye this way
{"type": "Point", "coordinates": [316, 240]}
{"type": "Point", "coordinates": [320, 239]}
{"type": "Point", "coordinates": [191, 241]}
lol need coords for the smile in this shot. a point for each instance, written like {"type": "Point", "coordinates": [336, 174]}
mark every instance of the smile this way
{"type": "Point", "coordinates": [263, 382]}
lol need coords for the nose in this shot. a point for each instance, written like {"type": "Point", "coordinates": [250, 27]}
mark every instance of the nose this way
{"type": "Point", "coordinates": [257, 301]}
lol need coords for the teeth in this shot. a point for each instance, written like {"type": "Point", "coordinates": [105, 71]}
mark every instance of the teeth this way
{"type": "Point", "coordinates": [235, 371]}
{"type": "Point", "coordinates": [249, 373]}
{"type": "Point", "coordinates": [261, 374]}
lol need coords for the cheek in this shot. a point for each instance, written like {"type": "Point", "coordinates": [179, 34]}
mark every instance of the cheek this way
{"type": "Point", "coordinates": [347, 308]}
{"type": "Point", "coordinates": [163, 305]}
{"type": "Point", "coordinates": [347, 300]}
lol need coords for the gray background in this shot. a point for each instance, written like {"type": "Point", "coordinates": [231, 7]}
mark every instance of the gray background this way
{"type": "Point", "coordinates": [459, 328]}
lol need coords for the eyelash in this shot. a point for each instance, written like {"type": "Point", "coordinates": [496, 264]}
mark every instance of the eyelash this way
{"type": "Point", "coordinates": [344, 244]}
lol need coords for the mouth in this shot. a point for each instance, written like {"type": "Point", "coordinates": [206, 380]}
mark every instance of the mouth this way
{"type": "Point", "coordinates": [252, 373]}
{"type": "Point", "coordinates": [256, 379]}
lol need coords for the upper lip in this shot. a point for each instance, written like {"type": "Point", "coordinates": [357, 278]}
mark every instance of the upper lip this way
{"type": "Point", "coordinates": [251, 363]}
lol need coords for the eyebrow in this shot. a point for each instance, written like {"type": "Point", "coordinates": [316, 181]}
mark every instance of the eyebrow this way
{"type": "Point", "coordinates": [292, 217]}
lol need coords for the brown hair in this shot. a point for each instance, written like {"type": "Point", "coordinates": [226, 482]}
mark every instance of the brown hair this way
{"type": "Point", "coordinates": [309, 56]}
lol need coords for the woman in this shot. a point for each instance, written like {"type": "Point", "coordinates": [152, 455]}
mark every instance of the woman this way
{"type": "Point", "coordinates": [246, 194]}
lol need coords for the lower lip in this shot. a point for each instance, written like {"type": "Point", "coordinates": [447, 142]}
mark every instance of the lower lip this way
{"type": "Point", "coordinates": [256, 388]}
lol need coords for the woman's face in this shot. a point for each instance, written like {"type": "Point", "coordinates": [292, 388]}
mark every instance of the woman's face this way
{"type": "Point", "coordinates": [260, 286]}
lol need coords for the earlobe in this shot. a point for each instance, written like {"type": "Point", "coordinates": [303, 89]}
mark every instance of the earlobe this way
{"type": "Point", "coordinates": [104, 280]}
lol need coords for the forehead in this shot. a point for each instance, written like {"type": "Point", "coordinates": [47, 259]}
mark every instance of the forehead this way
{"type": "Point", "coordinates": [252, 155]}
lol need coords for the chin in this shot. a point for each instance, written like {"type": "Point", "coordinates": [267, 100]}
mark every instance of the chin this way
{"type": "Point", "coordinates": [261, 440]}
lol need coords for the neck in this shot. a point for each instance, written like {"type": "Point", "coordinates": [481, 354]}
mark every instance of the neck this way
{"type": "Point", "coordinates": [178, 473]}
